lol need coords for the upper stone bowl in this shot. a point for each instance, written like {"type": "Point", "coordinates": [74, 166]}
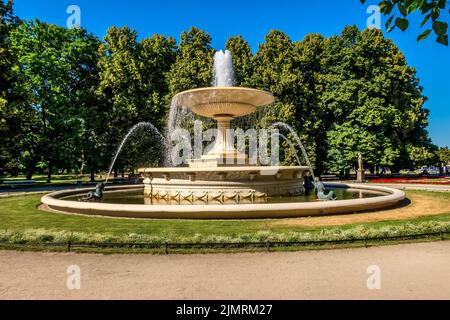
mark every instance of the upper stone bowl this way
{"type": "Point", "coordinates": [224, 101]}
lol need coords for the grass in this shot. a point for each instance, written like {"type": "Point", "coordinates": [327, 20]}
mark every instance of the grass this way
{"type": "Point", "coordinates": [22, 223]}
{"type": "Point", "coordinates": [41, 181]}
{"type": "Point", "coordinates": [57, 180]}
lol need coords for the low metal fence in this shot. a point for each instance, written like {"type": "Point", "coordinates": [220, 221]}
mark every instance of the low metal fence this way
{"type": "Point", "coordinates": [266, 245]}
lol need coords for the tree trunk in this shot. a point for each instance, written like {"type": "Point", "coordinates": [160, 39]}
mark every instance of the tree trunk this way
{"type": "Point", "coordinates": [49, 174]}
{"type": "Point", "coordinates": [123, 172]}
{"type": "Point", "coordinates": [30, 170]}
{"type": "Point", "coordinates": [347, 173]}
{"type": "Point", "coordinates": [115, 173]}
{"type": "Point", "coordinates": [441, 168]}
{"type": "Point", "coordinates": [92, 175]}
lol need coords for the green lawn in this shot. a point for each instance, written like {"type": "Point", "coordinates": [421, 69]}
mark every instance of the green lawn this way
{"type": "Point", "coordinates": [57, 180]}
{"type": "Point", "coordinates": [22, 222]}
{"type": "Point", "coordinates": [41, 181]}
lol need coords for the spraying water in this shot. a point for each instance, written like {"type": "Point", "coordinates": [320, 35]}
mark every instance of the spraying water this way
{"type": "Point", "coordinates": [299, 142]}
{"type": "Point", "coordinates": [181, 117]}
{"type": "Point", "coordinates": [291, 145]}
{"type": "Point", "coordinates": [223, 71]}
{"type": "Point", "coordinates": [139, 125]}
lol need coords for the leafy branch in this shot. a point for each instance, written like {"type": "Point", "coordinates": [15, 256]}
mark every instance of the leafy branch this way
{"type": "Point", "coordinates": [399, 10]}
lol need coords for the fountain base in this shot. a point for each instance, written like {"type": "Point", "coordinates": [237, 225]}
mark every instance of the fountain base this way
{"type": "Point", "coordinates": [215, 161]}
{"type": "Point", "coordinates": [224, 183]}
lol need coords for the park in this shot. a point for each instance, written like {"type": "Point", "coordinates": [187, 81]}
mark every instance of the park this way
{"type": "Point", "coordinates": [134, 144]}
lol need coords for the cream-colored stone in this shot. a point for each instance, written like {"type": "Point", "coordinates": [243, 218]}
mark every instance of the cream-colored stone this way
{"type": "Point", "coordinates": [223, 104]}
{"type": "Point", "coordinates": [53, 201]}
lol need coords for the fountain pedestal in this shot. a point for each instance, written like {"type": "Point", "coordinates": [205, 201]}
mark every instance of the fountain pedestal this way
{"type": "Point", "coordinates": [223, 152]}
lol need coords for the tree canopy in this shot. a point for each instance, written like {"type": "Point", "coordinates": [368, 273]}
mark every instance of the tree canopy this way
{"type": "Point", "coordinates": [67, 98]}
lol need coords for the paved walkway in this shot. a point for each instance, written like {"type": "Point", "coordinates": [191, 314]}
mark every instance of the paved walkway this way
{"type": "Point", "coordinates": [409, 271]}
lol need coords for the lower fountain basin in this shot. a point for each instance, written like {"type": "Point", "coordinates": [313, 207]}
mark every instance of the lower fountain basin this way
{"type": "Point", "coordinates": [236, 183]}
{"type": "Point", "coordinates": [383, 197]}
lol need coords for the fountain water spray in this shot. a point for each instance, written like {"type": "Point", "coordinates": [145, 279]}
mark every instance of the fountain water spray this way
{"type": "Point", "coordinates": [223, 76]}
{"type": "Point", "coordinates": [223, 70]}
{"type": "Point", "coordinates": [139, 125]}
{"type": "Point", "coordinates": [299, 142]}
{"type": "Point", "coordinates": [291, 145]}
{"type": "Point", "coordinates": [318, 185]}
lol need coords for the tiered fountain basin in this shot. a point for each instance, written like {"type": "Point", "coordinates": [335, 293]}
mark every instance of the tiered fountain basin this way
{"type": "Point", "coordinates": [358, 198]}
{"type": "Point", "coordinates": [223, 104]}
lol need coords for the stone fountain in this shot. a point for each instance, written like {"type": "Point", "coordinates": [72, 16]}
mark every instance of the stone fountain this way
{"type": "Point", "coordinates": [223, 173]}
{"type": "Point", "coordinates": [223, 183]}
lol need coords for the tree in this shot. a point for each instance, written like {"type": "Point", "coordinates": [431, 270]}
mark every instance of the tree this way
{"type": "Point", "coordinates": [157, 55]}
{"type": "Point", "coordinates": [242, 59]}
{"type": "Point", "coordinates": [193, 66]}
{"type": "Point", "coordinates": [346, 142]}
{"type": "Point", "coordinates": [443, 157]}
{"type": "Point", "coordinates": [291, 70]}
{"type": "Point", "coordinates": [132, 86]}
{"type": "Point", "coordinates": [54, 70]}
{"type": "Point", "coordinates": [315, 116]}
{"type": "Point", "coordinates": [192, 69]}
{"type": "Point", "coordinates": [430, 10]}
{"type": "Point", "coordinates": [83, 81]}
{"type": "Point", "coordinates": [370, 87]}
{"type": "Point", "coordinates": [11, 113]}
{"type": "Point", "coordinates": [275, 71]}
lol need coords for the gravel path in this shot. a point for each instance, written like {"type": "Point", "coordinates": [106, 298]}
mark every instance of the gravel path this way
{"type": "Point", "coordinates": [409, 271]}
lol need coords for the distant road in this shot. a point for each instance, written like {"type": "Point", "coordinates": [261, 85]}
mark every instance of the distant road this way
{"type": "Point", "coordinates": [10, 191]}
{"type": "Point", "coordinates": [408, 271]}
{"type": "Point", "coordinates": [417, 186]}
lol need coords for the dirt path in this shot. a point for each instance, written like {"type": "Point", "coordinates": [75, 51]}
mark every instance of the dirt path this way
{"type": "Point", "coordinates": [420, 205]}
{"type": "Point", "coordinates": [409, 271]}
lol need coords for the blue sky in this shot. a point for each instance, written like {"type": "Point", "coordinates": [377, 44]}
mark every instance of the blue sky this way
{"type": "Point", "coordinates": [253, 19]}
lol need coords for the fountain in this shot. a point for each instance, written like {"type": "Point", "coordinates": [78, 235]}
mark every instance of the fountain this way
{"type": "Point", "coordinates": [224, 182]}
{"type": "Point", "coordinates": [223, 173]}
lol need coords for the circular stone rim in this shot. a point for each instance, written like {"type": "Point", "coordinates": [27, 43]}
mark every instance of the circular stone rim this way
{"type": "Point", "coordinates": [235, 211]}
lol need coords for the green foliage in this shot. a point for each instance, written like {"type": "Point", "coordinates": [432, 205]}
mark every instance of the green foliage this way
{"type": "Point", "coordinates": [443, 155]}
{"type": "Point", "coordinates": [347, 141]}
{"type": "Point", "coordinates": [242, 59]}
{"type": "Point", "coordinates": [67, 99]}
{"type": "Point", "coordinates": [54, 70]}
{"type": "Point", "coordinates": [429, 9]}
{"type": "Point", "coordinates": [193, 66]}
{"type": "Point", "coordinates": [375, 99]}
{"type": "Point", "coordinates": [11, 114]}
{"type": "Point", "coordinates": [132, 89]}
